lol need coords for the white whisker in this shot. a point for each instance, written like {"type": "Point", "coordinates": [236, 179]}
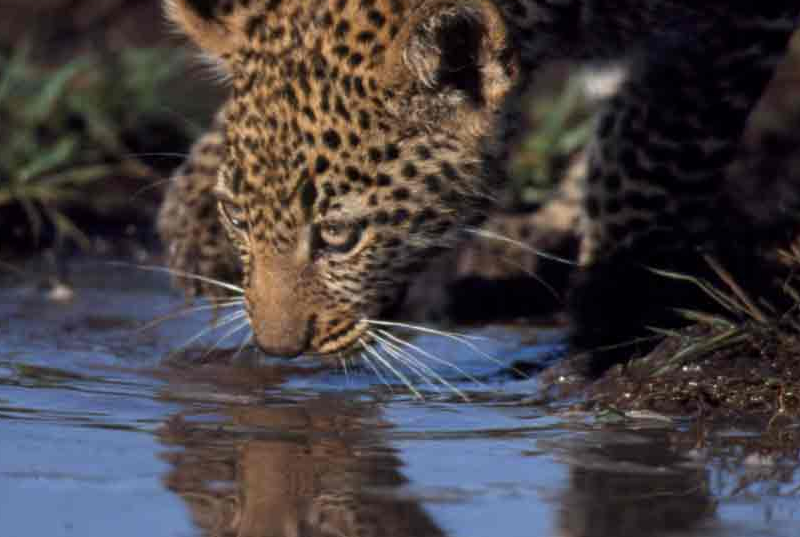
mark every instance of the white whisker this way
{"type": "Point", "coordinates": [225, 320]}
{"type": "Point", "coordinates": [188, 311]}
{"type": "Point", "coordinates": [221, 299]}
{"type": "Point", "coordinates": [408, 361]}
{"type": "Point", "coordinates": [247, 339]}
{"type": "Point", "coordinates": [550, 289]}
{"type": "Point", "coordinates": [459, 338]}
{"type": "Point", "coordinates": [391, 368]}
{"type": "Point", "coordinates": [427, 354]}
{"type": "Point", "coordinates": [486, 234]}
{"type": "Point", "coordinates": [182, 274]}
{"type": "Point", "coordinates": [412, 360]}
{"type": "Point", "coordinates": [225, 336]}
{"type": "Point", "coordinates": [152, 186]}
{"type": "Point", "coordinates": [427, 329]}
{"type": "Point", "coordinates": [343, 362]}
{"type": "Point", "coordinates": [377, 372]}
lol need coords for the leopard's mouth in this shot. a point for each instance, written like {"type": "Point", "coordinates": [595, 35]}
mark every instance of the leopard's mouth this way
{"type": "Point", "coordinates": [351, 338]}
{"type": "Point", "coordinates": [343, 342]}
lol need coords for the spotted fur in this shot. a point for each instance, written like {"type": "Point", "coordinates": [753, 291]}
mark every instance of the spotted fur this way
{"type": "Point", "coordinates": [362, 136]}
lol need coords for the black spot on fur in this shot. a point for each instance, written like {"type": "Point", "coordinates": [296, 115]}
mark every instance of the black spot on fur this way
{"type": "Point", "coordinates": [342, 110]}
{"type": "Point", "coordinates": [322, 165]}
{"type": "Point", "coordinates": [352, 173]}
{"type": "Point", "coordinates": [290, 95]}
{"type": "Point", "coordinates": [342, 29]}
{"type": "Point", "coordinates": [400, 194]}
{"type": "Point", "coordinates": [204, 8]}
{"type": "Point", "coordinates": [400, 216]}
{"type": "Point", "coordinates": [341, 51]}
{"type": "Point", "coordinates": [450, 172]}
{"type": "Point", "coordinates": [355, 59]}
{"type": "Point", "coordinates": [254, 25]}
{"type": "Point", "coordinates": [226, 7]}
{"type": "Point", "coordinates": [332, 139]}
{"type": "Point", "coordinates": [308, 196]}
{"type": "Point", "coordinates": [392, 152]}
{"type": "Point", "coordinates": [376, 18]}
{"type": "Point", "coordinates": [409, 170]}
{"type": "Point", "coordinates": [364, 120]}
{"type": "Point", "coordinates": [381, 218]}
{"type": "Point", "coordinates": [375, 154]}
{"type": "Point", "coordinates": [358, 83]}
{"type": "Point", "coordinates": [365, 36]}
{"type": "Point", "coordinates": [433, 183]}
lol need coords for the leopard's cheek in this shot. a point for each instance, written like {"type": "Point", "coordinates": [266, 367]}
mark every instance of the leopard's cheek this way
{"type": "Point", "coordinates": [341, 305]}
{"type": "Point", "coordinates": [350, 294]}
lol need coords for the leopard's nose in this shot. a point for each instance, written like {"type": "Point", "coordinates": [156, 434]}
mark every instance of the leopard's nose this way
{"type": "Point", "coordinates": [281, 317]}
{"type": "Point", "coordinates": [289, 342]}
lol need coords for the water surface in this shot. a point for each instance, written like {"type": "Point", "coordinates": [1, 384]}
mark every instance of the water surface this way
{"type": "Point", "coordinates": [109, 429]}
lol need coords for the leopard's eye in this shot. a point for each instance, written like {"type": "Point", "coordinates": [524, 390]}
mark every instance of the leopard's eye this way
{"type": "Point", "coordinates": [339, 237]}
{"type": "Point", "coordinates": [234, 214]}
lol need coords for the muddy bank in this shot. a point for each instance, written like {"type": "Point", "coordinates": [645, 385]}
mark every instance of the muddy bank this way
{"type": "Point", "coordinates": [719, 372]}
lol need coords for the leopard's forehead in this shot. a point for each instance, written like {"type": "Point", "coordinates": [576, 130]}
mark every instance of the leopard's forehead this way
{"type": "Point", "coordinates": [307, 94]}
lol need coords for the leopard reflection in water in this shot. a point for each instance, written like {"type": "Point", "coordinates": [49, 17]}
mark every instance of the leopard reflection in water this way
{"type": "Point", "coordinates": [322, 468]}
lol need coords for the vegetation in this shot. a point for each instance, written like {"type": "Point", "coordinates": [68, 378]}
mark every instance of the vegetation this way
{"type": "Point", "coordinates": [81, 135]}
{"type": "Point", "coordinates": [561, 121]}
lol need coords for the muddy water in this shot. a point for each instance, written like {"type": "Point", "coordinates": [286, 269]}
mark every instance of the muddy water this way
{"type": "Point", "coordinates": [106, 430]}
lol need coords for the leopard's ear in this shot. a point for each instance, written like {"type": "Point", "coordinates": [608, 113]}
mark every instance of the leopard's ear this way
{"type": "Point", "coordinates": [458, 46]}
{"type": "Point", "coordinates": [216, 26]}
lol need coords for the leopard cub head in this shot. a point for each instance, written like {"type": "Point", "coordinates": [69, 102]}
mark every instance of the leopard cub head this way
{"type": "Point", "coordinates": [362, 137]}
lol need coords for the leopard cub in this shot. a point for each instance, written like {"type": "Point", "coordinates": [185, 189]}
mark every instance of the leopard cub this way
{"type": "Point", "coordinates": [362, 137]}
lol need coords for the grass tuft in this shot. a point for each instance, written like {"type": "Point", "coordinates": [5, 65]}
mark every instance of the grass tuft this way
{"type": "Point", "coordinates": [69, 132]}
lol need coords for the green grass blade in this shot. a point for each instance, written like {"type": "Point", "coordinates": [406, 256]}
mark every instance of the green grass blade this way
{"type": "Point", "coordinates": [40, 108]}
{"type": "Point", "coordinates": [59, 155]}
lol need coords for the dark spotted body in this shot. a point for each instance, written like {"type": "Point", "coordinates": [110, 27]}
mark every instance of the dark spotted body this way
{"type": "Point", "coordinates": [362, 136]}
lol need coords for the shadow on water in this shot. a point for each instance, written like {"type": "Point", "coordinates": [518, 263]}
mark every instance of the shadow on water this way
{"type": "Point", "coordinates": [105, 430]}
